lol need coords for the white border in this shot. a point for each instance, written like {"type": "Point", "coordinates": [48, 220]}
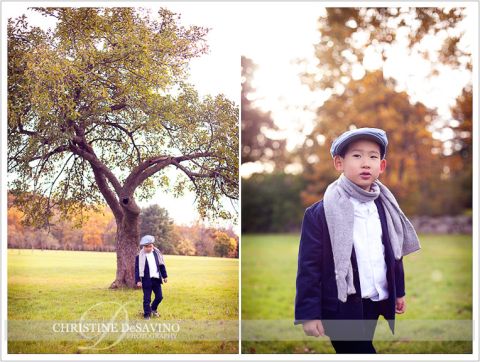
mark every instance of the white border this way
{"type": "Point", "coordinates": [3, 196]}
{"type": "Point", "coordinates": [239, 212]}
{"type": "Point", "coordinates": [475, 194]}
{"type": "Point", "coordinates": [230, 357]}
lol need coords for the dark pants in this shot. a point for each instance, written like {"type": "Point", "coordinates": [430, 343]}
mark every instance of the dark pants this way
{"type": "Point", "coordinates": [156, 287]}
{"type": "Point", "coordinates": [354, 334]}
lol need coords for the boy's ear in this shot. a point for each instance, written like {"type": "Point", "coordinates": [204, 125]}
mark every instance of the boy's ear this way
{"type": "Point", "coordinates": [383, 165]}
{"type": "Point", "coordinates": [338, 163]}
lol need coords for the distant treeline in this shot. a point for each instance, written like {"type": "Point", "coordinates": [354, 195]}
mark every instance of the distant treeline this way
{"type": "Point", "coordinates": [272, 203]}
{"type": "Point", "coordinates": [97, 232]}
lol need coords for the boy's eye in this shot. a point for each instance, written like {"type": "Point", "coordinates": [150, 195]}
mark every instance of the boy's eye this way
{"type": "Point", "coordinates": [356, 155]}
{"type": "Point", "coordinates": [373, 157]}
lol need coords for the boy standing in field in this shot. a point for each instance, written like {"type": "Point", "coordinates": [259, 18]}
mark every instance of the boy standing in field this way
{"type": "Point", "coordinates": [350, 268]}
{"type": "Point", "coordinates": [149, 271]}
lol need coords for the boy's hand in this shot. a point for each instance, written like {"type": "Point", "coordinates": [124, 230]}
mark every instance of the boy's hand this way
{"type": "Point", "coordinates": [139, 284]}
{"type": "Point", "coordinates": [165, 280]}
{"type": "Point", "coordinates": [314, 328]}
{"type": "Point", "coordinates": [400, 305]}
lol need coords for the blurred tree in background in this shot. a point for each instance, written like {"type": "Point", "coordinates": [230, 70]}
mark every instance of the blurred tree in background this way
{"type": "Point", "coordinates": [96, 230]}
{"type": "Point", "coordinates": [348, 35]}
{"type": "Point", "coordinates": [154, 220]}
{"type": "Point", "coordinates": [427, 176]}
{"type": "Point", "coordinates": [185, 247]}
{"type": "Point", "coordinates": [271, 202]}
{"type": "Point", "coordinates": [412, 169]}
{"type": "Point", "coordinates": [458, 164]}
{"type": "Point", "coordinates": [224, 245]}
{"type": "Point", "coordinates": [255, 124]}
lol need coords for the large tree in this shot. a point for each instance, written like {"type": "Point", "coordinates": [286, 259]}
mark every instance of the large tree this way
{"type": "Point", "coordinates": [99, 108]}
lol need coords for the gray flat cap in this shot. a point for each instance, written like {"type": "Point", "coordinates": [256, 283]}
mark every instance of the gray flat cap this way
{"type": "Point", "coordinates": [147, 239]}
{"type": "Point", "coordinates": [374, 134]}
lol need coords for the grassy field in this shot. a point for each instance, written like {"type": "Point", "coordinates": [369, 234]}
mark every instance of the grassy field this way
{"type": "Point", "coordinates": [63, 285]}
{"type": "Point", "coordinates": [438, 287]}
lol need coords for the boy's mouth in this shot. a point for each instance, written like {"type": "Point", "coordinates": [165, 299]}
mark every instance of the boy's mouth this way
{"type": "Point", "coordinates": [365, 175]}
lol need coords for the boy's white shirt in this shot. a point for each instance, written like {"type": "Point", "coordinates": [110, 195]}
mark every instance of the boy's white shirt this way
{"type": "Point", "coordinates": [369, 250]}
{"type": "Point", "coordinates": [142, 258]}
{"type": "Point", "coordinates": [152, 265]}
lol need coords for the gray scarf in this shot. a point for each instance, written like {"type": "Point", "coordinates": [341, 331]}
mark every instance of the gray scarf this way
{"type": "Point", "coordinates": [339, 213]}
{"type": "Point", "coordinates": [142, 256]}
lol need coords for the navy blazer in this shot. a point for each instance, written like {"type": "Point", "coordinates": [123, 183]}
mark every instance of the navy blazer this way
{"type": "Point", "coordinates": [146, 273]}
{"type": "Point", "coordinates": [317, 294]}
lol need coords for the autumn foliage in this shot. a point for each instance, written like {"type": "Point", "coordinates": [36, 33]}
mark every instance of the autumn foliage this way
{"type": "Point", "coordinates": [97, 231]}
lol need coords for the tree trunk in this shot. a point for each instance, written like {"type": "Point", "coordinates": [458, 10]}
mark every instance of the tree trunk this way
{"type": "Point", "coordinates": [127, 239]}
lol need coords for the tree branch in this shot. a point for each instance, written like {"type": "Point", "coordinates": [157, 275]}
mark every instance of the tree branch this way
{"type": "Point", "coordinates": [130, 135]}
{"type": "Point", "coordinates": [117, 107]}
{"type": "Point", "coordinates": [25, 131]}
{"type": "Point", "coordinates": [56, 179]}
{"type": "Point", "coordinates": [153, 165]}
{"type": "Point", "coordinates": [193, 156]}
{"type": "Point", "coordinates": [129, 181]}
{"type": "Point", "coordinates": [46, 156]}
{"type": "Point", "coordinates": [191, 175]}
{"type": "Point", "coordinates": [208, 174]}
{"type": "Point", "coordinates": [107, 193]}
{"type": "Point", "coordinates": [145, 170]}
{"type": "Point", "coordinates": [82, 149]}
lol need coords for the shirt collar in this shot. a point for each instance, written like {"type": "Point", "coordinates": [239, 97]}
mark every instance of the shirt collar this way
{"type": "Point", "coordinates": [369, 205]}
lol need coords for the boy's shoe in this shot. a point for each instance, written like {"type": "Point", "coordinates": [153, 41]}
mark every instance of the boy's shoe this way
{"type": "Point", "coordinates": [146, 317]}
{"type": "Point", "coordinates": [155, 313]}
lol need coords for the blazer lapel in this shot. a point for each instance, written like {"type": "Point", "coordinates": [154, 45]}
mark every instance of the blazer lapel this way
{"type": "Point", "coordinates": [156, 261]}
{"type": "Point", "coordinates": [389, 257]}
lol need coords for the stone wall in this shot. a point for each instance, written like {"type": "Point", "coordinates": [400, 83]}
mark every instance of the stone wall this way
{"type": "Point", "coordinates": [459, 224]}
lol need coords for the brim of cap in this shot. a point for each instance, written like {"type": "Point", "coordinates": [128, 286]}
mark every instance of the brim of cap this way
{"type": "Point", "coordinates": [357, 137]}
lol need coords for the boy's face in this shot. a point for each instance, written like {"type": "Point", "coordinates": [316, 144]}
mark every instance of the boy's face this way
{"type": "Point", "coordinates": [362, 163]}
{"type": "Point", "coordinates": [148, 248]}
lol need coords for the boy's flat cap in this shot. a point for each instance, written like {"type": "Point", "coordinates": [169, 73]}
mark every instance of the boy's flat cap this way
{"type": "Point", "coordinates": [375, 134]}
{"type": "Point", "coordinates": [147, 239]}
